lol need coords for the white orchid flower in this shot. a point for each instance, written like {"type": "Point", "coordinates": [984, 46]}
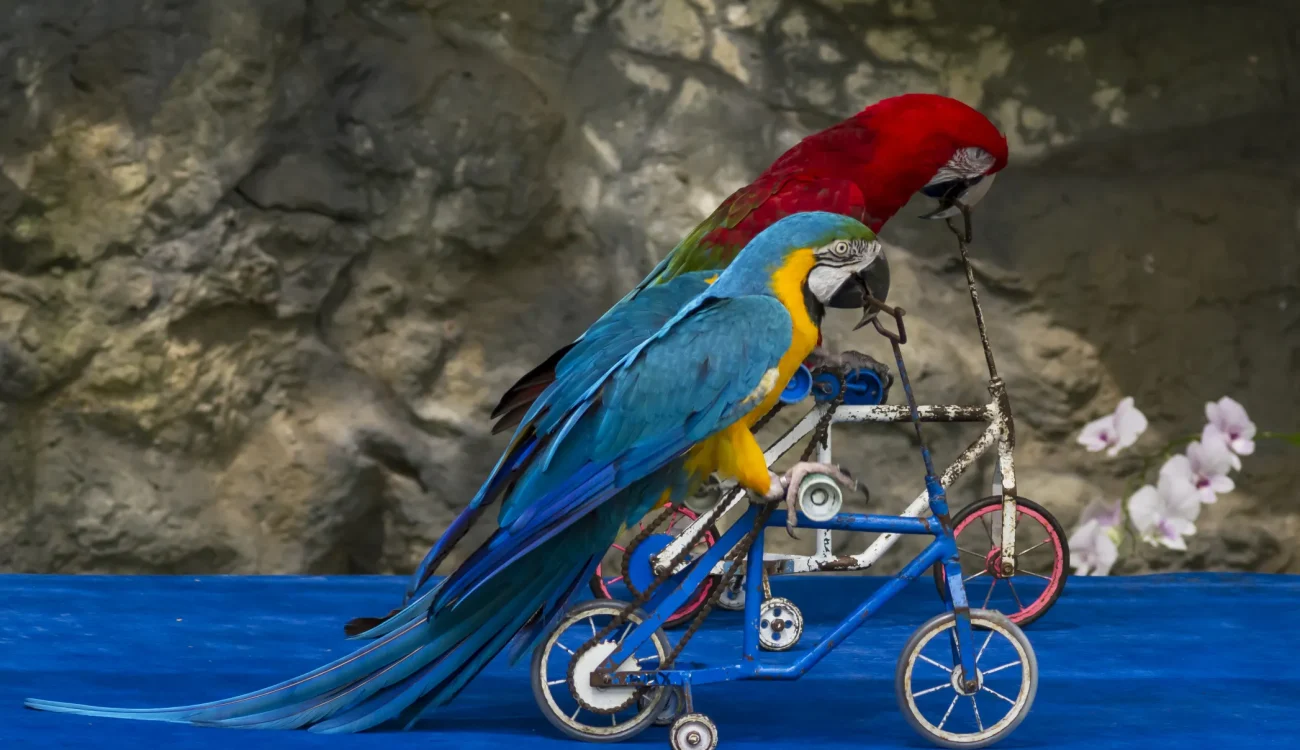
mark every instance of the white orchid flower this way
{"type": "Point", "coordinates": [1166, 513]}
{"type": "Point", "coordinates": [1230, 420]}
{"type": "Point", "coordinates": [1205, 466]}
{"type": "Point", "coordinates": [1094, 545]}
{"type": "Point", "coordinates": [1115, 431]}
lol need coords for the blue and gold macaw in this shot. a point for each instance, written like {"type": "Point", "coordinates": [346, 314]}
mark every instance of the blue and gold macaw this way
{"type": "Point", "coordinates": [604, 444]}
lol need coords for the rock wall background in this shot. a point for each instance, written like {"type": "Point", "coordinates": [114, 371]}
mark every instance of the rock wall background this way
{"type": "Point", "coordinates": [266, 264]}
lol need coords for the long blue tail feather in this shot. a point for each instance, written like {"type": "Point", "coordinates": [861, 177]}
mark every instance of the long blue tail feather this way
{"type": "Point", "coordinates": [306, 712]}
{"type": "Point", "coordinates": [537, 542]}
{"type": "Point", "coordinates": [418, 662]}
{"type": "Point", "coordinates": [382, 708]}
{"type": "Point", "coordinates": [552, 610]}
{"type": "Point", "coordinates": [415, 610]}
{"type": "Point", "coordinates": [334, 675]}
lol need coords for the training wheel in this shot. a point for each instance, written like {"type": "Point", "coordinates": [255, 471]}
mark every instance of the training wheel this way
{"type": "Point", "coordinates": [733, 596]}
{"type": "Point", "coordinates": [1025, 591]}
{"type": "Point", "coordinates": [780, 625]}
{"type": "Point", "coordinates": [561, 677]}
{"type": "Point", "coordinates": [951, 711]}
{"type": "Point", "coordinates": [693, 732]}
{"type": "Point", "coordinates": [640, 575]}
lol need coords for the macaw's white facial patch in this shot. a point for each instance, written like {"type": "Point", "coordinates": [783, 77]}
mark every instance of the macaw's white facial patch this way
{"type": "Point", "coordinates": [967, 163]}
{"type": "Point", "coordinates": [851, 253]}
{"type": "Point", "coordinates": [838, 262]}
{"type": "Point", "coordinates": [824, 281]}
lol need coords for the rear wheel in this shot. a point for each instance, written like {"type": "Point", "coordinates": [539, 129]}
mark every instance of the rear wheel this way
{"type": "Point", "coordinates": [1042, 559]}
{"type": "Point", "coordinates": [609, 576]}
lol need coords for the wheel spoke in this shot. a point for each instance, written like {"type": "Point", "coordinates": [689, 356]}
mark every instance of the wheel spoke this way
{"type": "Point", "coordinates": [563, 648]}
{"type": "Point", "coordinates": [973, 576]}
{"type": "Point", "coordinates": [613, 720]}
{"type": "Point", "coordinates": [984, 519]}
{"type": "Point", "coordinates": [576, 711]}
{"type": "Point", "coordinates": [620, 548]}
{"type": "Point", "coordinates": [985, 645]}
{"type": "Point", "coordinates": [1014, 594]}
{"type": "Point", "coordinates": [980, 555]}
{"type": "Point", "coordinates": [947, 713]}
{"type": "Point", "coordinates": [975, 707]}
{"type": "Point", "coordinates": [592, 622]}
{"type": "Point", "coordinates": [1031, 549]}
{"type": "Point", "coordinates": [928, 660]}
{"type": "Point", "coordinates": [1036, 575]}
{"type": "Point", "coordinates": [1000, 695]}
{"type": "Point", "coordinates": [1008, 665]}
{"type": "Point", "coordinates": [989, 595]}
{"type": "Point", "coordinates": [553, 683]}
{"type": "Point", "coordinates": [613, 581]}
{"type": "Point", "coordinates": [927, 691]}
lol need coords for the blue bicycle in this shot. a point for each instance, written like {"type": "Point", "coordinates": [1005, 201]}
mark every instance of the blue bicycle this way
{"type": "Point", "coordinates": [965, 679]}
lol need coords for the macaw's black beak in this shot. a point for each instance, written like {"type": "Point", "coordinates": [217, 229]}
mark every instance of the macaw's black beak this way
{"type": "Point", "coordinates": [954, 194]}
{"type": "Point", "coordinates": [869, 282]}
{"type": "Point", "coordinates": [956, 197]}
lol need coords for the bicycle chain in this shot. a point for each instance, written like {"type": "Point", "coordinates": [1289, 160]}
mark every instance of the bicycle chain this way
{"type": "Point", "coordinates": [645, 533]}
{"type": "Point", "coordinates": [740, 550]}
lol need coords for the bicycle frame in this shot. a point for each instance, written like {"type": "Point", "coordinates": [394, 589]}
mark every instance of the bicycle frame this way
{"type": "Point", "coordinates": [942, 550]}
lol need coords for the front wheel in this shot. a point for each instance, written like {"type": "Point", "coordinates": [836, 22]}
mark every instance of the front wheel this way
{"type": "Point", "coordinates": [1042, 559]}
{"type": "Point", "coordinates": [951, 711]}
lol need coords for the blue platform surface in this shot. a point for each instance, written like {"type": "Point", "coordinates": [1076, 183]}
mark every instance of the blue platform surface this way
{"type": "Point", "coordinates": [1186, 661]}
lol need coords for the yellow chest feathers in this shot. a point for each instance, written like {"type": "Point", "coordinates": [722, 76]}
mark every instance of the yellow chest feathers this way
{"type": "Point", "coordinates": [734, 452]}
{"type": "Point", "coordinates": [787, 285]}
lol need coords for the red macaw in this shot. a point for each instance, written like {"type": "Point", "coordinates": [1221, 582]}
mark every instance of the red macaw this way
{"type": "Point", "coordinates": [866, 167]}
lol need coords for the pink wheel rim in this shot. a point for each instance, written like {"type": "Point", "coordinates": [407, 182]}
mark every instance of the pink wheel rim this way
{"type": "Point", "coordinates": [699, 596]}
{"type": "Point", "coordinates": [1051, 539]}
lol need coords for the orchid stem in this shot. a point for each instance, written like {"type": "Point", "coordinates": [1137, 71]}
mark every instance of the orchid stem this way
{"type": "Point", "coordinates": [1162, 456]}
{"type": "Point", "coordinates": [1291, 437]}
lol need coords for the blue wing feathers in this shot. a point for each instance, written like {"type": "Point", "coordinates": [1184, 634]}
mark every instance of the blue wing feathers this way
{"type": "Point", "coordinates": [636, 427]}
{"type": "Point", "coordinates": [600, 349]}
{"type": "Point", "coordinates": [614, 335]}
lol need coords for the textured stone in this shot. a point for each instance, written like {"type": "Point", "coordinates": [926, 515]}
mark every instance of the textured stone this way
{"type": "Point", "coordinates": [18, 376]}
{"type": "Point", "coordinates": [661, 27]}
{"type": "Point", "coordinates": [266, 266]}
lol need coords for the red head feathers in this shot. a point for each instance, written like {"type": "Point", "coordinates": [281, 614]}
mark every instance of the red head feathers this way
{"type": "Point", "coordinates": [895, 148]}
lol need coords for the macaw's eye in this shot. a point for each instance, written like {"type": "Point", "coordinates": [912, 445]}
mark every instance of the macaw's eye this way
{"type": "Point", "coordinates": [840, 248]}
